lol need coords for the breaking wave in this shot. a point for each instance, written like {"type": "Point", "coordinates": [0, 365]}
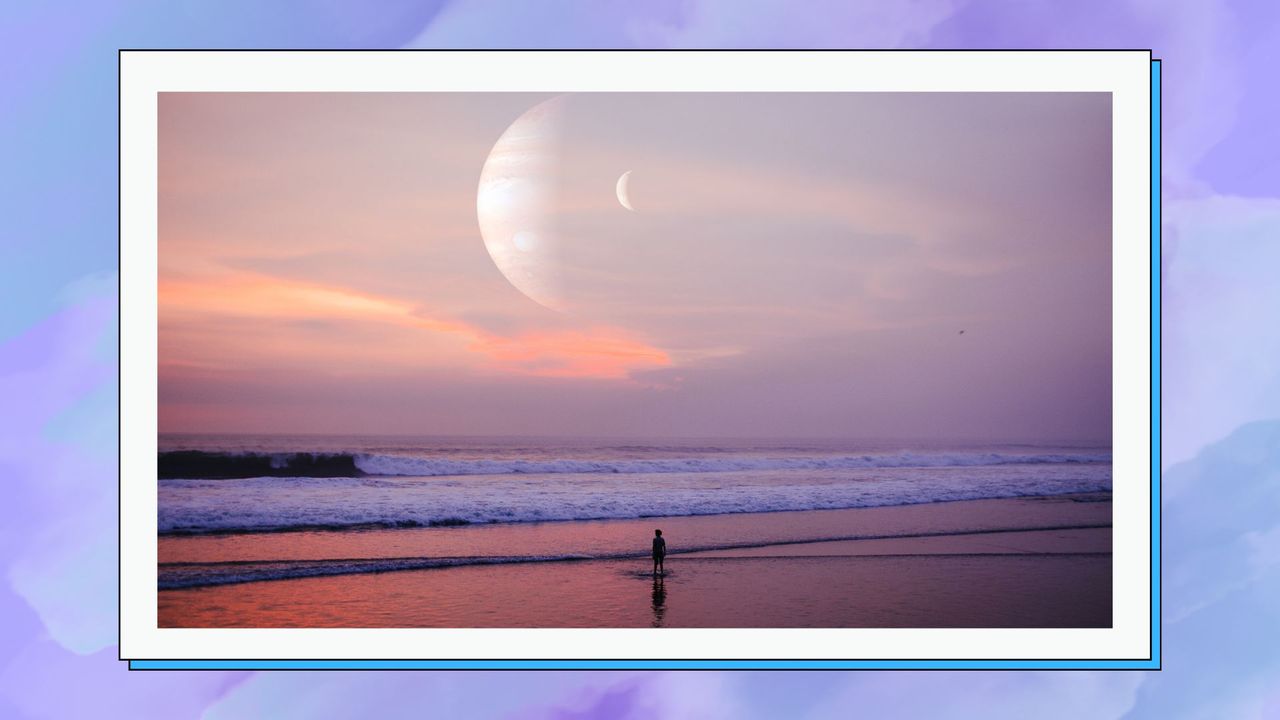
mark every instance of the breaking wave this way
{"type": "Point", "coordinates": [198, 464]}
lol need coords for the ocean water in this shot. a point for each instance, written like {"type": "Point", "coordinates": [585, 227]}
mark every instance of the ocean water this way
{"type": "Point", "coordinates": [254, 484]}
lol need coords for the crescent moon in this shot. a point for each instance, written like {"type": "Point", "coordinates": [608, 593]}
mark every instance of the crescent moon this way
{"type": "Point", "coordinates": [622, 191]}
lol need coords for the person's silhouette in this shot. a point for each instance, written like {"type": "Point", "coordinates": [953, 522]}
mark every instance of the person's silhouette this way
{"type": "Point", "coordinates": [659, 552]}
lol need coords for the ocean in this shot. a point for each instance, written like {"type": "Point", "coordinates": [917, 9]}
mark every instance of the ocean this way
{"type": "Point", "coordinates": [311, 530]}
{"type": "Point", "coordinates": [253, 484]}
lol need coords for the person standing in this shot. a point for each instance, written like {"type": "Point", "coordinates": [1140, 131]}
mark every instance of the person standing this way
{"type": "Point", "coordinates": [659, 552]}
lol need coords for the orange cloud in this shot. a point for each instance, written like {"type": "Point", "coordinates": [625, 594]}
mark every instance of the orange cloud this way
{"type": "Point", "coordinates": [596, 353]}
{"type": "Point", "coordinates": [601, 353]}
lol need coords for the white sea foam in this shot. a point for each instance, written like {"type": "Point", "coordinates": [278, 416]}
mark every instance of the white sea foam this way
{"type": "Point", "coordinates": [404, 466]}
{"type": "Point", "coordinates": [767, 484]}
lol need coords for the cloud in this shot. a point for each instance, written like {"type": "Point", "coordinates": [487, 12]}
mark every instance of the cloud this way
{"type": "Point", "coordinates": [596, 352]}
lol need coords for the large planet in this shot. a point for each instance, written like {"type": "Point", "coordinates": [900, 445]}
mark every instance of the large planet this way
{"type": "Point", "coordinates": [516, 203]}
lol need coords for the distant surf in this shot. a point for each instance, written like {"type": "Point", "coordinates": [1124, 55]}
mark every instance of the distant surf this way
{"type": "Point", "coordinates": [256, 505]}
{"type": "Point", "coordinates": [263, 484]}
{"type": "Point", "coordinates": [205, 465]}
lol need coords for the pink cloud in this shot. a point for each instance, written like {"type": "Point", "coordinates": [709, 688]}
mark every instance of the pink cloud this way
{"type": "Point", "coordinates": [250, 303]}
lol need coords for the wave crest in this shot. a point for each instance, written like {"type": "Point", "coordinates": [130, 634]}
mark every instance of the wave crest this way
{"type": "Point", "coordinates": [198, 464]}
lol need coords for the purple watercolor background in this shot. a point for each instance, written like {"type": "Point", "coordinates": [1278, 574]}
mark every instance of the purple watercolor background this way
{"type": "Point", "coordinates": [1221, 358]}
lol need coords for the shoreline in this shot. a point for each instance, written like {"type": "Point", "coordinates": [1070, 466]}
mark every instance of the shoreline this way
{"type": "Point", "coordinates": [1037, 560]}
{"type": "Point", "coordinates": [1074, 496]}
{"type": "Point", "coordinates": [617, 536]}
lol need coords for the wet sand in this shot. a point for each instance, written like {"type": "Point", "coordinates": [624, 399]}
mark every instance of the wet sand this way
{"type": "Point", "coordinates": [1023, 562]}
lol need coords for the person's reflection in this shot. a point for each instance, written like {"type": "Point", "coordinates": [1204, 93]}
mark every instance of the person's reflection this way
{"type": "Point", "coordinates": [659, 600]}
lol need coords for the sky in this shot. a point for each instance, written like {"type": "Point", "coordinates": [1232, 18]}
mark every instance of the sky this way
{"type": "Point", "coordinates": [796, 265]}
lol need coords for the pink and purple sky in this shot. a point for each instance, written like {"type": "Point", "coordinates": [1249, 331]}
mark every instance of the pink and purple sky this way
{"type": "Point", "coordinates": [797, 265]}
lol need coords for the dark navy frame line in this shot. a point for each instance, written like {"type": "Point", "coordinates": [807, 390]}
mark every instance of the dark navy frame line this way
{"type": "Point", "coordinates": [1152, 662]}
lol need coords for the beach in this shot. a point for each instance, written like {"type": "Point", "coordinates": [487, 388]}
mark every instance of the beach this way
{"type": "Point", "coordinates": [1031, 561]}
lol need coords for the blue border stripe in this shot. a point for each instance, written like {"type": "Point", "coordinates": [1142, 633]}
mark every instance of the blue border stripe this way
{"type": "Point", "coordinates": [1151, 664]}
{"type": "Point", "coordinates": [643, 665]}
{"type": "Point", "coordinates": [1155, 360]}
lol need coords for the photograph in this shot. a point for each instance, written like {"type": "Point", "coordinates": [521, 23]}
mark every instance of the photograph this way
{"type": "Point", "coordinates": [634, 360]}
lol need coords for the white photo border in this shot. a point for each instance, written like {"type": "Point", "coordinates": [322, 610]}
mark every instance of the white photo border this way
{"type": "Point", "coordinates": [1126, 74]}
